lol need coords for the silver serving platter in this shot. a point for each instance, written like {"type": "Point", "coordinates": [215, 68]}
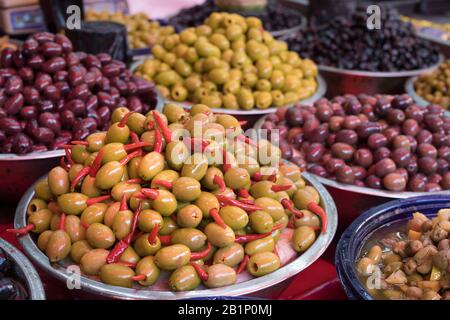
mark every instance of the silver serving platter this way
{"type": "Point", "coordinates": [25, 271]}
{"type": "Point", "coordinates": [250, 286]}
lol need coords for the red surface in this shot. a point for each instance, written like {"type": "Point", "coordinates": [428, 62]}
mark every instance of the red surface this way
{"type": "Point", "coordinates": [317, 282]}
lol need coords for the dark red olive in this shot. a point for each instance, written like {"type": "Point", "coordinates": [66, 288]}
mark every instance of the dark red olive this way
{"type": "Point", "coordinates": [445, 182]}
{"type": "Point", "coordinates": [395, 116]}
{"type": "Point", "coordinates": [401, 141]}
{"type": "Point", "coordinates": [54, 64]}
{"type": "Point", "coordinates": [318, 170]}
{"type": "Point", "coordinates": [345, 174]}
{"type": "Point", "coordinates": [26, 74]}
{"type": "Point", "coordinates": [428, 165]}
{"type": "Point", "coordinates": [336, 123]}
{"type": "Point", "coordinates": [424, 136]}
{"type": "Point", "coordinates": [51, 49]}
{"type": "Point", "coordinates": [42, 80]}
{"type": "Point", "coordinates": [333, 164]}
{"type": "Point", "coordinates": [444, 153]}
{"type": "Point", "coordinates": [43, 135]}
{"type": "Point", "coordinates": [382, 106]}
{"type": "Point", "coordinates": [417, 183]}
{"type": "Point", "coordinates": [13, 85]}
{"type": "Point", "coordinates": [30, 47]}
{"type": "Point", "coordinates": [401, 157]}
{"type": "Point", "coordinates": [427, 150]}
{"type": "Point", "coordinates": [6, 58]}
{"type": "Point", "coordinates": [10, 125]}
{"type": "Point", "coordinates": [29, 112]}
{"type": "Point", "coordinates": [13, 105]}
{"type": "Point", "coordinates": [394, 182]}
{"type": "Point", "coordinates": [47, 119]}
{"type": "Point", "coordinates": [63, 88]}
{"type": "Point", "coordinates": [21, 144]}
{"type": "Point", "coordinates": [363, 157]}
{"type": "Point", "coordinates": [64, 42]}
{"type": "Point", "coordinates": [347, 136]}
{"type": "Point", "coordinates": [51, 92]}
{"type": "Point", "coordinates": [384, 167]}
{"type": "Point", "coordinates": [373, 181]}
{"type": "Point", "coordinates": [68, 119]}
{"type": "Point", "coordinates": [432, 187]}
{"type": "Point", "coordinates": [36, 62]}
{"type": "Point", "coordinates": [410, 127]}
{"type": "Point", "coordinates": [343, 151]}
{"type": "Point", "coordinates": [377, 140]}
{"type": "Point", "coordinates": [359, 172]}
{"type": "Point", "coordinates": [381, 153]}
{"type": "Point", "coordinates": [315, 152]}
{"type": "Point", "coordinates": [365, 129]}
{"type": "Point", "coordinates": [352, 122]}
{"type": "Point", "coordinates": [433, 122]}
{"type": "Point", "coordinates": [440, 140]}
{"type": "Point", "coordinates": [402, 101]}
{"type": "Point", "coordinates": [435, 178]}
{"type": "Point", "coordinates": [43, 37]}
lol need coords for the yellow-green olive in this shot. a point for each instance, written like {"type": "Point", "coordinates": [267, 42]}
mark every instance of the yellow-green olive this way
{"type": "Point", "coordinates": [79, 249]}
{"type": "Point", "coordinates": [220, 275]}
{"type": "Point", "coordinates": [231, 255]}
{"type": "Point", "coordinates": [184, 278]}
{"type": "Point", "coordinates": [148, 268]}
{"type": "Point", "coordinates": [58, 246]}
{"type": "Point", "coordinates": [173, 257]}
{"type": "Point", "coordinates": [100, 236]}
{"type": "Point", "coordinates": [303, 238]}
{"type": "Point", "coordinates": [117, 275]}
{"type": "Point", "coordinates": [263, 263]}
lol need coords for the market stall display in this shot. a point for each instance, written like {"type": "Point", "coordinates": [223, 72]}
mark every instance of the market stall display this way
{"type": "Point", "coordinates": [403, 246]}
{"type": "Point", "coordinates": [161, 219]}
{"type": "Point", "coordinates": [229, 62]}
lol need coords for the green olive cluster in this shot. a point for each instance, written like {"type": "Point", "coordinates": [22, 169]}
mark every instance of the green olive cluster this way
{"type": "Point", "coordinates": [229, 62]}
{"type": "Point", "coordinates": [169, 207]}
{"type": "Point", "coordinates": [435, 86]}
{"type": "Point", "coordinates": [142, 32]}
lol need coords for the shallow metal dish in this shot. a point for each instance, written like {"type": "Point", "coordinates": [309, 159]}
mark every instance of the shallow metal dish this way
{"type": "Point", "coordinates": [24, 271]}
{"type": "Point", "coordinates": [19, 172]}
{"type": "Point", "coordinates": [342, 81]}
{"type": "Point", "coordinates": [243, 288]}
{"type": "Point", "coordinates": [352, 200]}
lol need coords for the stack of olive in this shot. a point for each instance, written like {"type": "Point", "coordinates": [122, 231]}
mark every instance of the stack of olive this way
{"type": "Point", "coordinates": [143, 197]}
{"type": "Point", "coordinates": [435, 86]}
{"type": "Point", "coordinates": [229, 62]}
{"type": "Point", "coordinates": [142, 32]}
{"type": "Point", "coordinates": [381, 142]}
{"type": "Point", "coordinates": [411, 263]}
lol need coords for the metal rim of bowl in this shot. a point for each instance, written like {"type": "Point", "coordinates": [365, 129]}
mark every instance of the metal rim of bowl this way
{"type": "Point", "coordinates": [347, 268]}
{"type": "Point", "coordinates": [362, 190]}
{"type": "Point", "coordinates": [32, 279]}
{"type": "Point", "coordinates": [320, 92]}
{"type": "Point", "coordinates": [246, 287]}
{"type": "Point", "coordinates": [31, 156]}
{"type": "Point", "coordinates": [379, 74]}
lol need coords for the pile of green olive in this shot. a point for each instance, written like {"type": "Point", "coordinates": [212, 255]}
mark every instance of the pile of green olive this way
{"type": "Point", "coordinates": [229, 62]}
{"type": "Point", "coordinates": [142, 32]}
{"type": "Point", "coordinates": [435, 86]}
{"type": "Point", "coordinates": [140, 199]}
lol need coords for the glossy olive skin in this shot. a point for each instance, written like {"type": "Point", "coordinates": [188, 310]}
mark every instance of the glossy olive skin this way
{"type": "Point", "coordinates": [41, 220]}
{"type": "Point", "coordinates": [124, 188]}
{"type": "Point", "coordinates": [193, 238]}
{"type": "Point", "coordinates": [93, 260]}
{"type": "Point", "coordinates": [58, 181]}
{"type": "Point", "coordinates": [219, 236]}
{"type": "Point", "coordinates": [43, 239]}
{"type": "Point", "coordinates": [165, 175]}
{"type": "Point", "coordinates": [118, 134]}
{"type": "Point", "coordinates": [74, 228]}
{"type": "Point", "coordinates": [129, 255]}
{"type": "Point", "coordinates": [237, 178]}
{"type": "Point", "coordinates": [109, 175]}
{"type": "Point", "coordinates": [43, 191]}
{"type": "Point", "coordinates": [79, 249]}
{"type": "Point", "coordinates": [36, 205]}
{"type": "Point", "coordinates": [100, 236]}
{"type": "Point", "coordinates": [266, 244]}
{"type": "Point", "coordinates": [144, 248]}
{"type": "Point", "coordinates": [260, 221]}
{"type": "Point", "coordinates": [176, 154]}
{"type": "Point", "coordinates": [172, 257]}
{"type": "Point", "coordinates": [89, 188]}
{"type": "Point", "coordinates": [231, 255]}
{"type": "Point", "coordinates": [220, 275]}
{"type": "Point", "coordinates": [207, 201]}
{"type": "Point", "coordinates": [309, 219]}
{"type": "Point", "coordinates": [262, 189]}
{"type": "Point", "coordinates": [58, 246]}
{"type": "Point", "coordinates": [122, 224]}
{"type": "Point", "coordinates": [110, 214]}
{"type": "Point", "coordinates": [165, 203]}
{"type": "Point", "coordinates": [117, 275]}
{"type": "Point", "coordinates": [72, 203]}
{"type": "Point", "coordinates": [189, 216]}
{"type": "Point", "coordinates": [148, 219]}
{"type": "Point", "coordinates": [208, 179]}
{"type": "Point", "coordinates": [94, 213]}
{"type": "Point", "coordinates": [147, 267]}
{"type": "Point", "coordinates": [184, 278]}
{"type": "Point", "coordinates": [303, 238]}
{"type": "Point", "coordinates": [263, 263]}
{"type": "Point", "coordinates": [271, 206]}
{"type": "Point", "coordinates": [168, 227]}
{"type": "Point", "coordinates": [234, 217]}
{"type": "Point", "coordinates": [151, 164]}
{"type": "Point", "coordinates": [302, 198]}
{"type": "Point", "coordinates": [195, 167]}
{"type": "Point", "coordinates": [186, 189]}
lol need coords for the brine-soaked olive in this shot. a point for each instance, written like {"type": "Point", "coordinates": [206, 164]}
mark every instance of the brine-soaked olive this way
{"type": "Point", "coordinates": [220, 275]}
{"type": "Point", "coordinates": [147, 267]}
{"type": "Point", "coordinates": [193, 238]}
{"type": "Point", "coordinates": [79, 249]}
{"type": "Point", "coordinates": [148, 219]}
{"type": "Point", "coordinates": [143, 246]}
{"type": "Point", "coordinates": [168, 227]}
{"type": "Point", "coordinates": [260, 221]}
{"type": "Point", "coordinates": [93, 260]}
{"type": "Point", "coordinates": [43, 239]}
{"type": "Point", "coordinates": [234, 217]}
{"type": "Point", "coordinates": [184, 278]}
{"type": "Point", "coordinates": [263, 263]}
{"type": "Point", "coordinates": [186, 189]}
{"type": "Point", "coordinates": [150, 165]}
{"type": "Point", "coordinates": [110, 214]}
{"type": "Point", "coordinates": [94, 213]}
{"type": "Point", "coordinates": [58, 246]}
{"type": "Point", "coordinates": [100, 236]}
{"type": "Point", "coordinates": [117, 275]}
{"type": "Point", "coordinates": [205, 202]}
{"type": "Point", "coordinates": [165, 203]}
{"type": "Point", "coordinates": [266, 244]}
{"type": "Point", "coordinates": [195, 166]}
{"type": "Point", "coordinates": [74, 228]}
{"type": "Point", "coordinates": [172, 257]}
{"type": "Point", "coordinates": [43, 190]}
{"type": "Point", "coordinates": [72, 203]}
{"type": "Point", "coordinates": [189, 216]}
{"type": "Point", "coordinates": [41, 220]}
{"type": "Point", "coordinates": [237, 178]}
{"type": "Point", "coordinates": [124, 188]}
{"type": "Point", "coordinates": [271, 206]}
{"type": "Point", "coordinates": [230, 255]}
{"type": "Point", "coordinates": [218, 236]}
{"type": "Point", "coordinates": [58, 181]}
{"type": "Point", "coordinates": [304, 237]}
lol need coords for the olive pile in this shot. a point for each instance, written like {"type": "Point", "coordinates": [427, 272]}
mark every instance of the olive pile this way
{"type": "Point", "coordinates": [381, 142]}
{"type": "Point", "coordinates": [435, 86]}
{"type": "Point", "coordinates": [50, 95]}
{"type": "Point", "coordinates": [349, 44]}
{"type": "Point", "coordinates": [275, 16]}
{"type": "Point", "coordinates": [10, 288]}
{"type": "Point", "coordinates": [142, 33]}
{"type": "Point", "coordinates": [137, 199]}
{"type": "Point", "coordinates": [229, 62]}
{"type": "Point", "coordinates": [412, 263]}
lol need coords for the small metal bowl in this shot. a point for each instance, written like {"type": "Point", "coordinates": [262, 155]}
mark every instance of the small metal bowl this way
{"type": "Point", "coordinates": [24, 271]}
{"type": "Point", "coordinates": [251, 286]}
{"type": "Point", "coordinates": [381, 219]}
{"type": "Point", "coordinates": [342, 81]}
{"type": "Point", "coordinates": [19, 172]}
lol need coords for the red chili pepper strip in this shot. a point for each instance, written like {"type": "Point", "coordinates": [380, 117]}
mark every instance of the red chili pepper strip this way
{"type": "Point", "coordinates": [150, 193]}
{"type": "Point", "coordinates": [243, 193]}
{"type": "Point", "coordinates": [201, 254]}
{"type": "Point", "coordinates": [153, 234]}
{"type": "Point", "coordinates": [291, 222]}
{"type": "Point", "coordinates": [135, 180]}
{"type": "Point", "coordinates": [80, 176]}
{"type": "Point", "coordinates": [97, 200]}
{"type": "Point", "coordinates": [237, 203]}
{"type": "Point", "coordinates": [200, 271]}
{"type": "Point", "coordinates": [134, 137]}
{"type": "Point", "coordinates": [217, 218]}
{"type": "Point", "coordinates": [63, 164]}
{"type": "Point", "coordinates": [139, 277]}
{"type": "Point", "coordinates": [137, 145]}
{"type": "Point", "coordinates": [280, 187]}
{"type": "Point", "coordinates": [289, 205]}
{"type": "Point", "coordinates": [127, 264]}
{"type": "Point", "coordinates": [150, 125]}
{"type": "Point", "coordinates": [115, 254]}
{"type": "Point", "coordinates": [134, 222]}
{"type": "Point", "coordinates": [194, 142]}
{"type": "Point", "coordinates": [257, 176]}
{"type": "Point", "coordinates": [62, 221]}
{"type": "Point", "coordinates": [226, 165]}
{"type": "Point", "coordinates": [243, 264]}
{"type": "Point", "coordinates": [124, 120]}
{"type": "Point", "coordinates": [250, 237]}
{"type": "Point", "coordinates": [218, 180]}
{"type": "Point", "coordinates": [21, 231]}
{"type": "Point", "coordinates": [136, 235]}
{"type": "Point", "coordinates": [247, 140]}
{"type": "Point", "coordinates": [82, 143]}
{"type": "Point", "coordinates": [272, 177]}
{"type": "Point", "coordinates": [166, 240]}
{"type": "Point", "coordinates": [96, 164]}
{"type": "Point", "coordinates": [163, 126]}
{"type": "Point", "coordinates": [68, 152]}
{"type": "Point", "coordinates": [318, 210]}
{"type": "Point", "coordinates": [123, 203]}
{"type": "Point", "coordinates": [130, 156]}
{"type": "Point", "coordinates": [163, 183]}
{"type": "Point", "coordinates": [243, 122]}
{"type": "Point", "coordinates": [85, 225]}
{"type": "Point", "coordinates": [157, 147]}
{"type": "Point", "coordinates": [247, 201]}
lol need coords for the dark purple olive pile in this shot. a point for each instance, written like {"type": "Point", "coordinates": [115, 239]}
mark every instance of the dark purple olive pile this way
{"type": "Point", "coordinates": [381, 142]}
{"type": "Point", "coordinates": [349, 44]}
{"type": "Point", "coordinates": [276, 16]}
{"type": "Point", "coordinates": [50, 95]}
{"type": "Point", "coordinates": [10, 288]}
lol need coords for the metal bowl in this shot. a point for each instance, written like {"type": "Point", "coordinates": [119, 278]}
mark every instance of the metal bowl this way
{"type": "Point", "coordinates": [253, 285]}
{"type": "Point", "coordinates": [342, 81]}
{"type": "Point", "coordinates": [19, 172]}
{"type": "Point", "coordinates": [24, 271]}
{"type": "Point", "coordinates": [352, 200]}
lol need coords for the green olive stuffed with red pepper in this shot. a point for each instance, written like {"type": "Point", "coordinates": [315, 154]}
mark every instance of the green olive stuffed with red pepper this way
{"type": "Point", "coordinates": [125, 208]}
